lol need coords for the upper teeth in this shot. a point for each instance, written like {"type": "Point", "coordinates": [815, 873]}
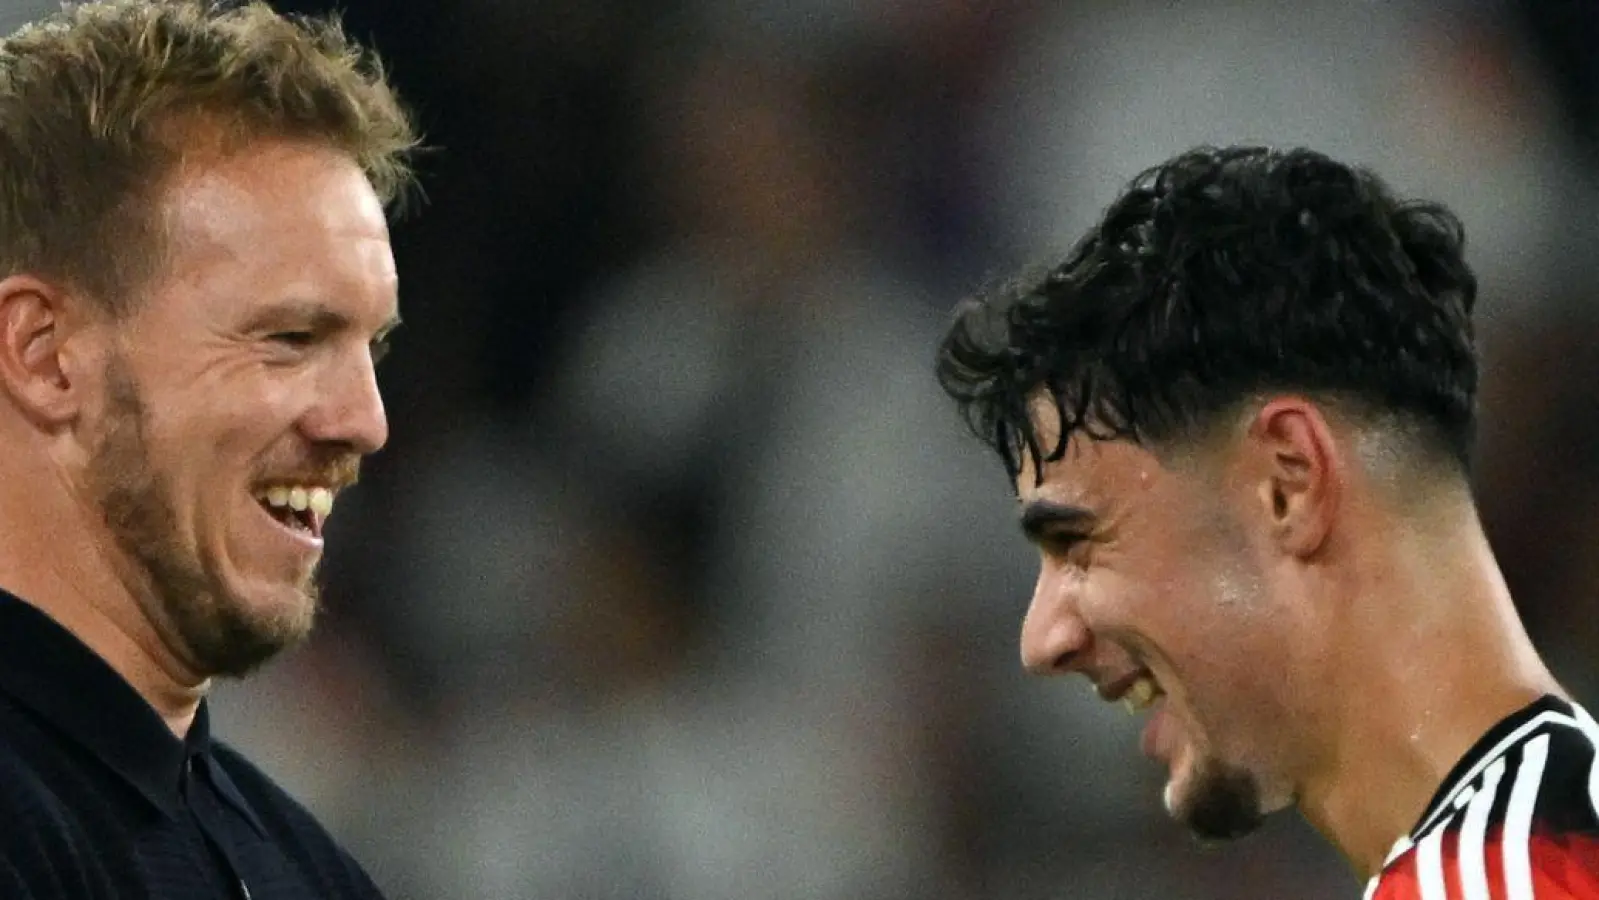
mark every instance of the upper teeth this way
{"type": "Point", "coordinates": [1141, 694]}
{"type": "Point", "coordinates": [318, 500]}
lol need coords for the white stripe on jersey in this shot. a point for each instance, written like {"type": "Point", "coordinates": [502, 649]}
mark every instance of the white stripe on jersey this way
{"type": "Point", "coordinates": [1518, 818]}
{"type": "Point", "coordinates": [1467, 808]}
{"type": "Point", "coordinates": [1470, 858]}
{"type": "Point", "coordinates": [1430, 865]}
{"type": "Point", "coordinates": [1400, 848]}
{"type": "Point", "coordinates": [1499, 749]}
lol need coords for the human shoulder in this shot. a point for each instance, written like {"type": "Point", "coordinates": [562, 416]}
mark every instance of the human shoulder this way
{"type": "Point", "coordinates": [42, 845]}
{"type": "Point", "coordinates": [295, 829]}
{"type": "Point", "coordinates": [1524, 816]}
{"type": "Point", "coordinates": [1574, 752]}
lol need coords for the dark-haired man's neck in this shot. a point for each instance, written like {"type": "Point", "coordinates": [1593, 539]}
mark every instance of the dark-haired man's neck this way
{"type": "Point", "coordinates": [1426, 655]}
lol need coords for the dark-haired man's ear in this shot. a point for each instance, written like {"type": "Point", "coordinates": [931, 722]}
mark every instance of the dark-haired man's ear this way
{"type": "Point", "coordinates": [1299, 476]}
{"type": "Point", "coordinates": [39, 365]}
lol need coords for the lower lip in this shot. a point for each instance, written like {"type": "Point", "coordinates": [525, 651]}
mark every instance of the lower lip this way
{"type": "Point", "coordinates": [307, 541]}
{"type": "Point", "coordinates": [1151, 742]}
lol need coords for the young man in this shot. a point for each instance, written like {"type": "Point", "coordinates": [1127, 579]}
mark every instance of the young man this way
{"type": "Point", "coordinates": [1238, 418]}
{"type": "Point", "coordinates": [195, 285]}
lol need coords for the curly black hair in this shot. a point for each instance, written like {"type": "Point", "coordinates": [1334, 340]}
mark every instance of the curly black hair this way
{"type": "Point", "coordinates": [1216, 276]}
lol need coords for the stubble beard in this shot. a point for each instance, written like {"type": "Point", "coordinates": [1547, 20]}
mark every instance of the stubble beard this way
{"type": "Point", "coordinates": [216, 632]}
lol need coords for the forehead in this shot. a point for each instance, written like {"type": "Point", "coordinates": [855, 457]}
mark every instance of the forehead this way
{"type": "Point", "coordinates": [278, 216]}
{"type": "Point", "coordinates": [1094, 474]}
{"type": "Point", "coordinates": [1090, 474]}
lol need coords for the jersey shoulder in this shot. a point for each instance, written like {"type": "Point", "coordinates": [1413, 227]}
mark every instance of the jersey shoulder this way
{"type": "Point", "coordinates": [1521, 819]}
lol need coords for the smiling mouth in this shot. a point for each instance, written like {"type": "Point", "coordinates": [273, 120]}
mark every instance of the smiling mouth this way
{"type": "Point", "coordinates": [1137, 692]}
{"type": "Point", "coordinates": [1142, 695]}
{"type": "Point", "coordinates": [298, 508]}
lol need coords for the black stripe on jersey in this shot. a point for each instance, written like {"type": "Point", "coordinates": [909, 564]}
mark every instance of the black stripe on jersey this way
{"type": "Point", "coordinates": [1564, 798]}
{"type": "Point", "coordinates": [1573, 766]}
{"type": "Point", "coordinates": [1529, 787]}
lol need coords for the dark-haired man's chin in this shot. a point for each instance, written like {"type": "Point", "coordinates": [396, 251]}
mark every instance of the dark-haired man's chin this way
{"type": "Point", "coordinates": [1218, 805]}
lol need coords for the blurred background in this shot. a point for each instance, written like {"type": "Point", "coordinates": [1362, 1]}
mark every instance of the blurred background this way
{"type": "Point", "coordinates": [679, 579]}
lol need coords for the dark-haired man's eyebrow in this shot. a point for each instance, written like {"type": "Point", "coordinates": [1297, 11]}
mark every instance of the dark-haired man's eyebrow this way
{"type": "Point", "coordinates": [1040, 518]}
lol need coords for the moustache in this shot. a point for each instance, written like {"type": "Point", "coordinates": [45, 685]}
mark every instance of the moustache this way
{"type": "Point", "coordinates": [336, 473]}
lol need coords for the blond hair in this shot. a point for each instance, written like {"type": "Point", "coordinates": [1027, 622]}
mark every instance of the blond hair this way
{"type": "Point", "coordinates": [98, 103]}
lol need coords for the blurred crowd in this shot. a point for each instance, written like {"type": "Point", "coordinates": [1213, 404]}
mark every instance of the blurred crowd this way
{"type": "Point", "coordinates": [679, 579]}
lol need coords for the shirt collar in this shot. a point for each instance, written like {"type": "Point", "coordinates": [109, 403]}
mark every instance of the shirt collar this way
{"type": "Point", "coordinates": [230, 794]}
{"type": "Point", "coordinates": [46, 669]}
{"type": "Point", "coordinates": [1485, 745]}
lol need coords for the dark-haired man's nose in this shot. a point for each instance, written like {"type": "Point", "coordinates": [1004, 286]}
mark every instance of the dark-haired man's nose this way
{"type": "Point", "coordinates": [1053, 635]}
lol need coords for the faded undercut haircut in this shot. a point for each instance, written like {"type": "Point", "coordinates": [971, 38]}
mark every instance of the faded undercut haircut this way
{"type": "Point", "coordinates": [1218, 277]}
{"type": "Point", "coordinates": [99, 101]}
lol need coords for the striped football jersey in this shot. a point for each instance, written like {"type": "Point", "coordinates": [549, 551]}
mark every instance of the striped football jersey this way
{"type": "Point", "coordinates": [1517, 819]}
